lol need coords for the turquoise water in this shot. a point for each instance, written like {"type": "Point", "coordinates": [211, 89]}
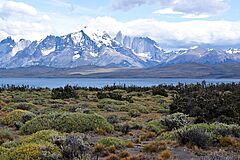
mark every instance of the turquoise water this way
{"type": "Point", "coordinates": [100, 82]}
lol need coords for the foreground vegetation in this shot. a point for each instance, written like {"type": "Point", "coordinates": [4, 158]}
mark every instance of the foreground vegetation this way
{"type": "Point", "coordinates": [117, 122]}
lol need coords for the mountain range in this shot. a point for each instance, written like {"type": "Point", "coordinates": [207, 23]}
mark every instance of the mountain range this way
{"type": "Point", "coordinates": [96, 48]}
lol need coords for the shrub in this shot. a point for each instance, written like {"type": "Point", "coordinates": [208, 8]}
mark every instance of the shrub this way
{"type": "Point", "coordinates": [226, 130]}
{"type": "Point", "coordinates": [204, 135]}
{"type": "Point", "coordinates": [171, 136]}
{"type": "Point", "coordinates": [155, 146]}
{"type": "Point", "coordinates": [212, 102]}
{"type": "Point", "coordinates": [100, 131]}
{"type": "Point", "coordinates": [135, 125]}
{"type": "Point", "coordinates": [66, 122]}
{"type": "Point", "coordinates": [73, 146]}
{"type": "Point", "coordinates": [100, 150]}
{"type": "Point", "coordinates": [113, 157]}
{"type": "Point", "coordinates": [166, 154]}
{"type": "Point", "coordinates": [113, 119]}
{"type": "Point", "coordinates": [129, 144]}
{"type": "Point", "coordinates": [195, 136]}
{"type": "Point", "coordinates": [7, 109]}
{"type": "Point", "coordinates": [155, 126]}
{"type": "Point", "coordinates": [5, 135]}
{"type": "Point", "coordinates": [160, 91]}
{"type": "Point", "coordinates": [229, 141]}
{"type": "Point", "coordinates": [146, 136]}
{"type": "Point", "coordinates": [112, 141]}
{"type": "Point", "coordinates": [33, 152]}
{"type": "Point", "coordinates": [141, 108]}
{"type": "Point", "coordinates": [124, 128]}
{"type": "Point", "coordinates": [23, 106]}
{"type": "Point", "coordinates": [3, 151]}
{"type": "Point", "coordinates": [175, 121]}
{"type": "Point", "coordinates": [17, 116]}
{"type": "Point", "coordinates": [38, 138]}
{"type": "Point", "coordinates": [64, 93]}
{"type": "Point", "coordinates": [124, 154]}
{"type": "Point", "coordinates": [119, 91]}
{"type": "Point", "coordinates": [43, 135]}
{"type": "Point", "coordinates": [219, 129]}
{"type": "Point", "coordinates": [111, 149]}
{"type": "Point", "coordinates": [134, 113]}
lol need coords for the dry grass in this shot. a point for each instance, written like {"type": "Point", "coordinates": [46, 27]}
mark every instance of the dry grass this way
{"type": "Point", "coordinates": [166, 154]}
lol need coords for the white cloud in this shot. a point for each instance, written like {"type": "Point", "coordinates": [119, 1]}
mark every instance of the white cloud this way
{"type": "Point", "coordinates": [168, 33]}
{"type": "Point", "coordinates": [170, 11]}
{"type": "Point", "coordinates": [187, 8]}
{"type": "Point", "coordinates": [21, 20]}
{"type": "Point", "coordinates": [8, 8]}
{"type": "Point", "coordinates": [167, 11]}
{"type": "Point", "coordinates": [21, 29]}
{"type": "Point", "coordinates": [174, 33]}
{"type": "Point", "coordinates": [46, 17]}
{"type": "Point", "coordinates": [171, 34]}
{"type": "Point", "coordinates": [3, 35]}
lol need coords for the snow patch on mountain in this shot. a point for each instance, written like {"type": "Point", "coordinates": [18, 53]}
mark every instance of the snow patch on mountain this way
{"type": "Point", "coordinates": [194, 47]}
{"type": "Point", "coordinates": [46, 52]}
{"type": "Point", "coordinates": [93, 54]}
{"type": "Point", "coordinates": [22, 44]}
{"type": "Point", "coordinates": [76, 57]}
{"type": "Point", "coordinates": [144, 56]}
{"type": "Point", "coordinates": [233, 51]}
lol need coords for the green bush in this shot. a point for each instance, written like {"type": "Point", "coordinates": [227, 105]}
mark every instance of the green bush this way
{"type": "Point", "coordinates": [7, 109]}
{"type": "Point", "coordinates": [43, 135]}
{"type": "Point", "coordinates": [38, 138]}
{"type": "Point", "coordinates": [141, 108]}
{"type": "Point", "coordinates": [169, 136]}
{"type": "Point", "coordinates": [213, 103]}
{"type": "Point", "coordinates": [175, 121]}
{"type": "Point", "coordinates": [112, 141]}
{"type": "Point", "coordinates": [134, 113]}
{"type": "Point", "coordinates": [112, 102]}
{"type": "Point", "coordinates": [5, 135]}
{"type": "Point", "coordinates": [21, 116]}
{"type": "Point", "coordinates": [122, 127]}
{"type": "Point", "coordinates": [3, 150]}
{"type": "Point", "coordinates": [23, 106]}
{"type": "Point", "coordinates": [155, 126]}
{"type": "Point", "coordinates": [136, 125]}
{"type": "Point", "coordinates": [66, 122]}
{"type": "Point", "coordinates": [64, 93]}
{"type": "Point", "coordinates": [160, 91]}
{"type": "Point", "coordinates": [32, 152]}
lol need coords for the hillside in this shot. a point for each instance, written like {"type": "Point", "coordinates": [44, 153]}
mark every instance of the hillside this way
{"type": "Point", "coordinates": [171, 71]}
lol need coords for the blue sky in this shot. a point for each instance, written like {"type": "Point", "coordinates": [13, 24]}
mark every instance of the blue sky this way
{"type": "Point", "coordinates": [170, 22]}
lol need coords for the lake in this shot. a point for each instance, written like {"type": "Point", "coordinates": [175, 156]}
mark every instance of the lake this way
{"type": "Point", "coordinates": [100, 82]}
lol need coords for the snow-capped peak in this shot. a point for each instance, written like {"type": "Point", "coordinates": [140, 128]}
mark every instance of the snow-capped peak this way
{"type": "Point", "coordinates": [100, 37]}
{"type": "Point", "coordinates": [77, 37]}
{"type": "Point", "coordinates": [233, 51]}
